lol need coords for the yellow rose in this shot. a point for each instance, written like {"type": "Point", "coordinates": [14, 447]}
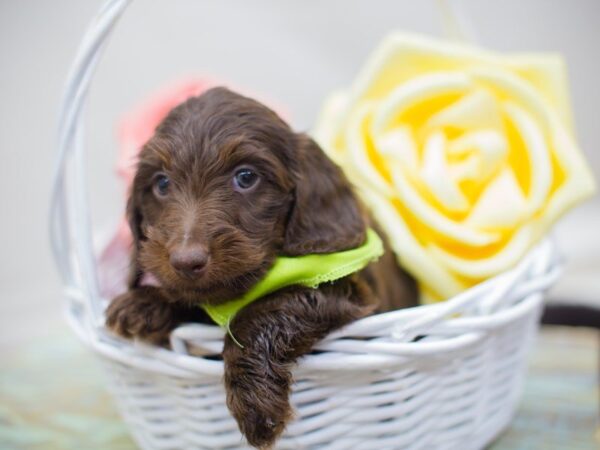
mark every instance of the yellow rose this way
{"type": "Point", "coordinates": [465, 157]}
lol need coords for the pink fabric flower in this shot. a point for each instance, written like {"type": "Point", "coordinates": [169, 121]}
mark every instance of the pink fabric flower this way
{"type": "Point", "coordinates": [138, 125]}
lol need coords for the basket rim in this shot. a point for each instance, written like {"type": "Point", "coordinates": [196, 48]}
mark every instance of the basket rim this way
{"type": "Point", "coordinates": [379, 341]}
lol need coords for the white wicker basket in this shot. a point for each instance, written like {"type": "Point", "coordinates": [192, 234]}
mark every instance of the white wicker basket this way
{"type": "Point", "coordinates": [371, 386]}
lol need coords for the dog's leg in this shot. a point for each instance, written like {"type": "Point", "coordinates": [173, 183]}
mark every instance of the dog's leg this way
{"type": "Point", "coordinates": [145, 313]}
{"type": "Point", "coordinates": [274, 332]}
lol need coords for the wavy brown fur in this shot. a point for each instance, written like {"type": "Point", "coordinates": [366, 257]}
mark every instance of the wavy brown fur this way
{"type": "Point", "coordinates": [302, 204]}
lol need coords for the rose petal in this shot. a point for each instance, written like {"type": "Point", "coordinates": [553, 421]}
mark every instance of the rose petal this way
{"type": "Point", "coordinates": [399, 146]}
{"type": "Point", "coordinates": [416, 91]}
{"type": "Point", "coordinates": [508, 85]}
{"type": "Point", "coordinates": [548, 73]}
{"type": "Point", "coordinates": [358, 154]}
{"type": "Point", "coordinates": [435, 175]}
{"type": "Point", "coordinates": [578, 182]}
{"type": "Point", "coordinates": [481, 268]}
{"type": "Point", "coordinates": [502, 204]}
{"type": "Point", "coordinates": [433, 219]}
{"type": "Point", "coordinates": [490, 145]}
{"type": "Point", "coordinates": [438, 281]}
{"type": "Point", "coordinates": [468, 169]}
{"type": "Point", "coordinates": [404, 56]}
{"type": "Point", "coordinates": [537, 153]}
{"type": "Point", "coordinates": [478, 109]}
{"type": "Point", "coordinates": [329, 123]}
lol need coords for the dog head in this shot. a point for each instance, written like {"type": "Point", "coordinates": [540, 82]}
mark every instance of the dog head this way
{"type": "Point", "coordinates": [223, 187]}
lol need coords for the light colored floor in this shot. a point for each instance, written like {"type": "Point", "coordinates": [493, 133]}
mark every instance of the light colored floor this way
{"type": "Point", "coordinates": [559, 409]}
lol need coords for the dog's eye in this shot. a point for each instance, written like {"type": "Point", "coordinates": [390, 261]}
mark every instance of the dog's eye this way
{"type": "Point", "coordinates": [244, 179]}
{"type": "Point", "coordinates": [161, 185]}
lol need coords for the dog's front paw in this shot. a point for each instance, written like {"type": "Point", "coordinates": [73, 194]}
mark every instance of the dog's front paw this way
{"type": "Point", "coordinates": [261, 428]}
{"type": "Point", "coordinates": [141, 313]}
{"type": "Point", "coordinates": [257, 396]}
{"type": "Point", "coordinates": [261, 415]}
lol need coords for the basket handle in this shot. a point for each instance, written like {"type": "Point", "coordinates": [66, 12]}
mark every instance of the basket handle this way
{"type": "Point", "coordinates": [69, 217]}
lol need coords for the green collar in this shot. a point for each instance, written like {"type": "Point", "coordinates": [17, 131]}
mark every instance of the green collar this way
{"type": "Point", "coordinates": [307, 270]}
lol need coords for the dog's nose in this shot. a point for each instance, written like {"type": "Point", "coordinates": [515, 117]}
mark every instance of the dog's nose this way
{"type": "Point", "coordinates": [189, 260]}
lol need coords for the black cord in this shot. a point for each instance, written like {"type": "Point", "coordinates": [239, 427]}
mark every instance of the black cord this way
{"type": "Point", "coordinates": [571, 314]}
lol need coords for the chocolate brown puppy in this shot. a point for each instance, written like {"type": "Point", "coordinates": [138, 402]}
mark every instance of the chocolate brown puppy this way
{"type": "Point", "coordinates": [222, 188]}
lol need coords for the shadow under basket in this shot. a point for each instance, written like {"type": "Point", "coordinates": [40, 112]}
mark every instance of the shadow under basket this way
{"type": "Point", "coordinates": [443, 376]}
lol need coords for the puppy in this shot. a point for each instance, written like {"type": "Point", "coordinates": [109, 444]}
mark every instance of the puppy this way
{"type": "Point", "coordinates": [222, 188]}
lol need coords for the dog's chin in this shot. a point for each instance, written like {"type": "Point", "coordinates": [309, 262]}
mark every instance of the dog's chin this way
{"type": "Point", "coordinates": [207, 289]}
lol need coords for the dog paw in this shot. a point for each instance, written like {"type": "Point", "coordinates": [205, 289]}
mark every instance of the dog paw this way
{"type": "Point", "coordinates": [259, 403]}
{"type": "Point", "coordinates": [140, 314]}
{"type": "Point", "coordinates": [261, 430]}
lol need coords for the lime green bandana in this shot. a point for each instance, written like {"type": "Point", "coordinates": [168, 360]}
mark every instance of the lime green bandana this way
{"type": "Point", "coordinates": [307, 270]}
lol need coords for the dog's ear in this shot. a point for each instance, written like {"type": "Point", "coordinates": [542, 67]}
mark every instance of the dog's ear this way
{"type": "Point", "coordinates": [326, 216]}
{"type": "Point", "coordinates": [134, 218]}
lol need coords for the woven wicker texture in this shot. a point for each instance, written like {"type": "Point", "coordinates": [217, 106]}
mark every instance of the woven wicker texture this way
{"type": "Point", "coordinates": [445, 376]}
{"type": "Point", "coordinates": [370, 385]}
